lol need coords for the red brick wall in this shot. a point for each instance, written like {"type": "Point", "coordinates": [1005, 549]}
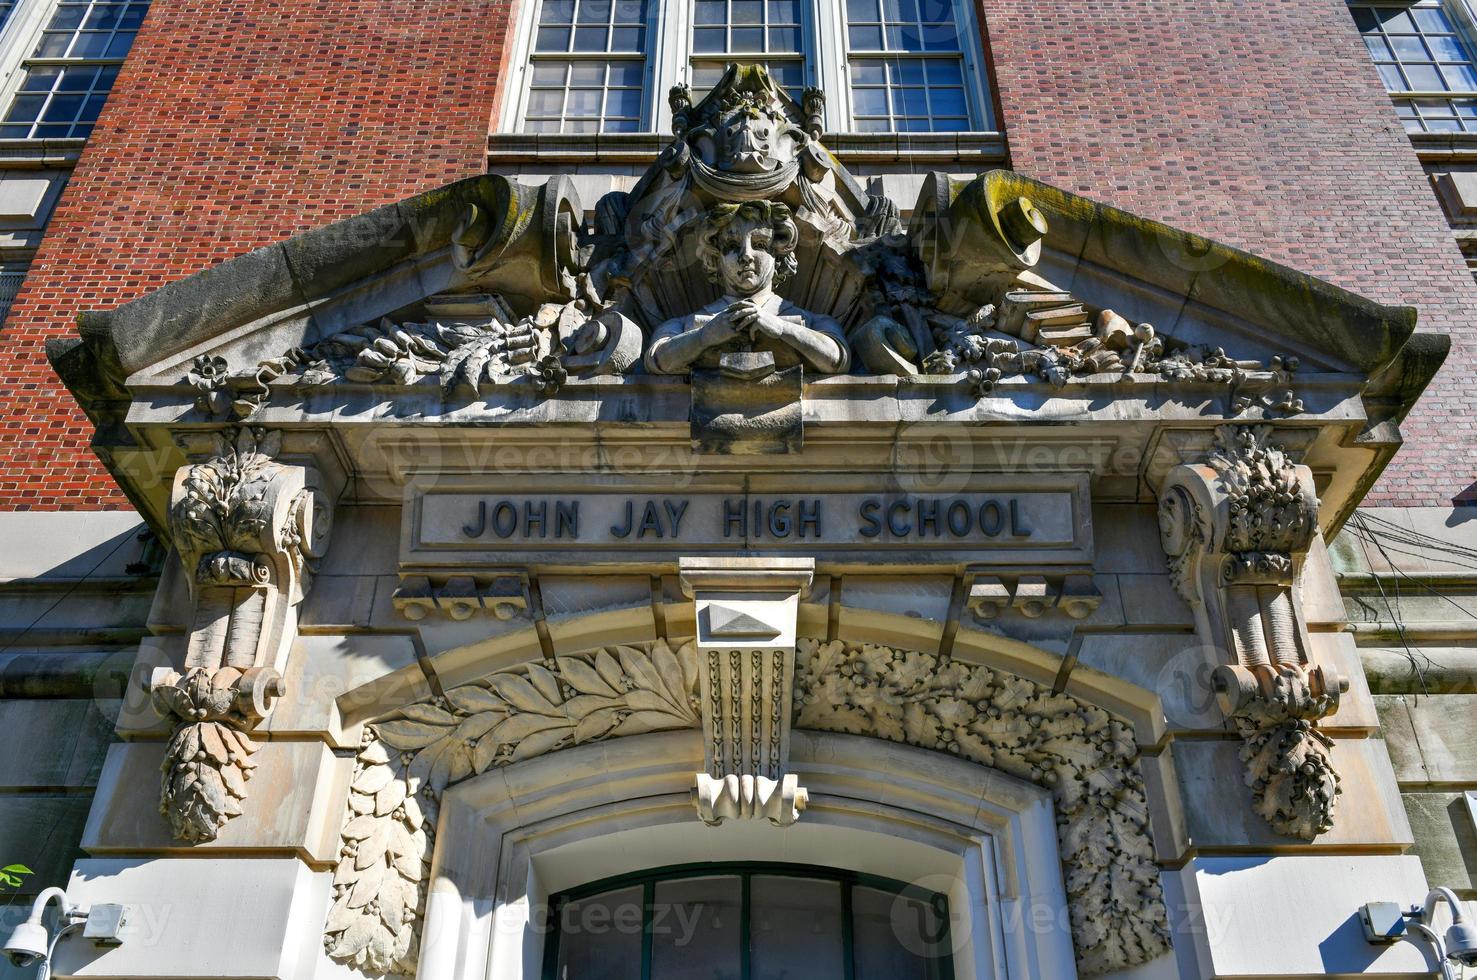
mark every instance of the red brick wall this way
{"type": "Point", "coordinates": [1261, 124]}
{"type": "Point", "coordinates": [235, 123]}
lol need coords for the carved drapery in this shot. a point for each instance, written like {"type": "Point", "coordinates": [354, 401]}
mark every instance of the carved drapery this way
{"type": "Point", "coordinates": [1236, 528]}
{"type": "Point", "coordinates": [247, 530]}
{"type": "Point", "coordinates": [1084, 756]}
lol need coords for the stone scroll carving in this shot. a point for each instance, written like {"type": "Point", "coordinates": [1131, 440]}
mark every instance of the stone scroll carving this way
{"type": "Point", "coordinates": [1084, 756]}
{"type": "Point", "coordinates": [1236, 528]}
{"type": "Point", "coordinates": [247, 530]}
{"type": "Point", "coordinates": [409, 758]}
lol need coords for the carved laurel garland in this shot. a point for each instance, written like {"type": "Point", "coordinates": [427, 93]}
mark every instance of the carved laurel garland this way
{"type": "Point", "coordinates": [409, 759]}
{"type": "Point", "coordinates": [1083, 755]}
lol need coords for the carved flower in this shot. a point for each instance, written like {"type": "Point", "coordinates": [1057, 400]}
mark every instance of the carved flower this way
{"type": "Point", "coordinates": [209, 374]}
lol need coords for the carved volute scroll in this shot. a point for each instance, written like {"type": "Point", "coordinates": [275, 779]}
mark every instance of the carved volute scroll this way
{"type": "Point", "coordinates": [1236, 528]}
{"type": "Point", "coordinates": [746, 612]}
{"type": "Point", "coordinates": [247, 530]}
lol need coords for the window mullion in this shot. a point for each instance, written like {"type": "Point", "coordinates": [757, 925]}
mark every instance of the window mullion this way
{"type": "Point", "coordinates": [648, 908]}
{"type": "Point", "coordinates": [746, 953]}
{"type": "Point", "coordinates": [848, 937]}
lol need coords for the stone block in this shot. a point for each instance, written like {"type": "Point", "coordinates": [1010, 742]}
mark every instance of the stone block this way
{"type": "Point", "coordinates": [585, 612]}
{"type": "Point", "coordinates": [1220, 814]}
{"type": "Point", "coordinates": [1323, 606]}
{"type": "Point", "coordinates": [1400, 739]}
{"type": "Point", "coordinates": [906, 612]}
{"type": "Point", "coordinates": [21, 197]}
{"type": "Point", "coordinates": [1446, 735]}
{"type": "Point", "coordinates": [1173, 666]}
{"type": "Point", "coordinates": [357, 675]}
{"type": "Point", "coordinates": [1150, 600]}
{"type": "Point", "coordinates": [338, 602]}
{"type": "Point", "coordinates": [1297, 915]}
{"type": "Point", "coordinates": [1166, 813]}
{"type": "Point", "coordinates": [294, 804]}
{"type": "Point", "coordinates": [1126, 538]}
{"type": "Point", "coordinates": [1356, 707]}
{"type": "Point", "coordinates": [1445, 838]}
{"type": "Point", "coordinates": [42, 832]}
{"type": "Point", "coordinates": [224, 918]}
{"type": "Point", "coordinates": [68, 545]}
{"type": "Point", "coordinates": [61, 743]}
{"type": "Point", "coordinates": [366, 539]}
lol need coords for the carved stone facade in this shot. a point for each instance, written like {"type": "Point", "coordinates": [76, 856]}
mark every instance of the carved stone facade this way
{"type": "Point", "coordinates": [247, 530]}
{"type": "Point", "coordinates": [411, 757]}
{"type": "Point", "coordinates": [600, 468]}
{"type": "Point", "coordinates": [1237, 529]}
{"type": "Point", "coordinates": [746, 257]}
{"type": "Point", "coordinates": [1085, 757]}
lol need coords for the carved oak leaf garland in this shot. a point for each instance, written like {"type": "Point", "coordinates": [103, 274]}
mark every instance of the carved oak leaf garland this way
{"type": "Point", "coordinates": [1084, 756]}
{"type": "Point", "coordinates": [409, 759]}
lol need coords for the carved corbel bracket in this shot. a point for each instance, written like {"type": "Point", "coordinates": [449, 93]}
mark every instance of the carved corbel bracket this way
{"type": "Point", "coordinates": [746, 614]}
{"type": "Point", "coordinates": [462, 596]}
{"type": "Point", "coordinates": [248, 530]}
{"type": "Point", "coordinates": [1236, 528]}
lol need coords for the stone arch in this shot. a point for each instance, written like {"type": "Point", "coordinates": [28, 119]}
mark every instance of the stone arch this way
{"type": "Point", "coordinates": [1080, 752]}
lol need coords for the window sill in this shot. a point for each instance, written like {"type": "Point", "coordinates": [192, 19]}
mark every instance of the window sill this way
{"type": "Point", "coordinates": [642, 148]}
{"type": "Point", "coordinates": [40, 153]}
{"type": "Point", "coordinates": [1444, 147]}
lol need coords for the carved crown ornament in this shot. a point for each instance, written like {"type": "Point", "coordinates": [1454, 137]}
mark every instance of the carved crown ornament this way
{"type": "Point", "coordinates": [248, 530]}
{"type": "Point", "coordinates": [1085, 757]}
{"type": "Point", "coordinates": [746, 258]}
{"type": "Point", "coordinates": [1236, 528]}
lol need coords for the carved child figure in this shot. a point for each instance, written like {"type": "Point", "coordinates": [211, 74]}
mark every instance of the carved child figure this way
{"type": "Point", "coordinates": [748, 248]}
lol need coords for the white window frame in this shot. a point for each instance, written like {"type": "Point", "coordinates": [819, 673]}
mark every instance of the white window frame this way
{"type": "Point", "coordinates": [669, 62]}
{"type": "Point", "coordinates": [1463, 17]}
{"type": "Point", "coordinates": [18, 40]}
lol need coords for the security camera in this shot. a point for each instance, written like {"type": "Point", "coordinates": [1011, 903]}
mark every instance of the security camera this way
{"type": "Point", "coordinates": [27, 944]}
{"type": "Point", "coordinates": [1461, 943]}
{"type": "Point", "coordinates": [30, 942]}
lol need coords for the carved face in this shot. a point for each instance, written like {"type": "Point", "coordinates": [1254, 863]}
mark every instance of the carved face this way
{"type": "Point", "coordinates": [745, 256]}
{"type": "Point", "coordinates": [749, 142]}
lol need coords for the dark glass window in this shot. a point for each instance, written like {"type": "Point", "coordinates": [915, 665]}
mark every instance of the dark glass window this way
{"type": "Point", "coordinates": [748, 922]}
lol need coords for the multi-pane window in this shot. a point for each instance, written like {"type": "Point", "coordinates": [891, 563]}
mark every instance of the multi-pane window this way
{"type": "Point", "coordinates": [767, 32]}
{"type": "Point", "coordinates": [754, 922]}
{"type": "Point", "coordinates": [589, 57]}
{"type": "Point", "coordinates": [7, 7]}
{"type": "Point", "coordinates": [1426, 61]}
{"type": "Point", "coordinates": [68, 77]}
{"type": "Point", "coordinates": [907, 66]}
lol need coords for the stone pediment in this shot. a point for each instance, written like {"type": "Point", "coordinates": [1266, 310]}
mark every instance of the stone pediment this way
{"type": "Point", "coordinates": [747, 286]}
